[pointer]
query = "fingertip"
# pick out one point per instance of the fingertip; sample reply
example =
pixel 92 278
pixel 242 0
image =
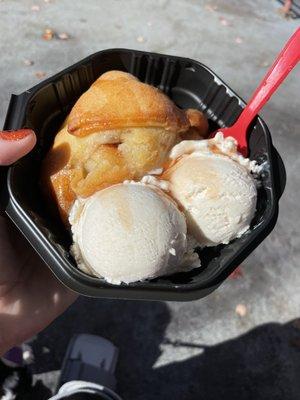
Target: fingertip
pixel 29 140
pixel 15 144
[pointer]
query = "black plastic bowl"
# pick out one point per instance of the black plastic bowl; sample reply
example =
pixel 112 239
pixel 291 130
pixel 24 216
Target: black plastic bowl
pixel 190 84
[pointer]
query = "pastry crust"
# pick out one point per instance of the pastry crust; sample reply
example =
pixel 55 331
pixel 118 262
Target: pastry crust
pixel 119 129
pixel 118 100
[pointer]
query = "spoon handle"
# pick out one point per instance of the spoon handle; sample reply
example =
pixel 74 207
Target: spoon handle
pixel 282 66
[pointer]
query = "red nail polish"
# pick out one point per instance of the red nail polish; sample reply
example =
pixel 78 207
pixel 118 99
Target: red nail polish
pixel 15 135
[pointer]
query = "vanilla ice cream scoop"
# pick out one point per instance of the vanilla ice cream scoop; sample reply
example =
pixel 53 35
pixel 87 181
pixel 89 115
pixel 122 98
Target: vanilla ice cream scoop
pixel 128 232
pixel 215 188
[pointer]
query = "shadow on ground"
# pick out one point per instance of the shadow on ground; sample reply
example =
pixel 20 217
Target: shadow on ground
pixel 262 364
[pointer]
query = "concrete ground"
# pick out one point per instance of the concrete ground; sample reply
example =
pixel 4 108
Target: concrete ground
pixel 202 349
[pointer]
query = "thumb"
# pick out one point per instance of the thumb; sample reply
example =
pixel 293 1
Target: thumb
pixel 15 144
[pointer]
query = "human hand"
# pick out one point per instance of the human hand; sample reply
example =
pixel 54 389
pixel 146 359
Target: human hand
pixel 30 295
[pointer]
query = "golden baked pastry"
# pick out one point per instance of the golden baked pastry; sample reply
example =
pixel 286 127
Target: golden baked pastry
pixel 120 128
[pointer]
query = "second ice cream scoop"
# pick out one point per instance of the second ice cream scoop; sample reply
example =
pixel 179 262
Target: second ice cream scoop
pixel 215 188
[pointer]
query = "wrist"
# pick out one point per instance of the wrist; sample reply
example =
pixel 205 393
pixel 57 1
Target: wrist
pixel 3 350
pixel 4 346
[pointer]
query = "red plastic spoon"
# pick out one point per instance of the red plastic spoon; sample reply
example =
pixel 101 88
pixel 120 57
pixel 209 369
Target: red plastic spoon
pixel 285 62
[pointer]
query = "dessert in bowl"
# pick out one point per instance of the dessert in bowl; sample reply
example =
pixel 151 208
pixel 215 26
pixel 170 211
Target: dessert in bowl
pixel 129 170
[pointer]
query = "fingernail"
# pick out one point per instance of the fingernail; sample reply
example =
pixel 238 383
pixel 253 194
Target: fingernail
pixel 15 135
